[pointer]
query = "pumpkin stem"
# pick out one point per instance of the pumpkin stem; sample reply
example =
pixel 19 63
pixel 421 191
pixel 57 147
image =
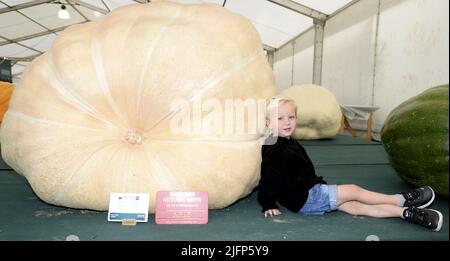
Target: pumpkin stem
pixel 134 137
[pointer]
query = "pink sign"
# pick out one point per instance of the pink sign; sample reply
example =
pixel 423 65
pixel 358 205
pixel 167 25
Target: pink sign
pixel 181 207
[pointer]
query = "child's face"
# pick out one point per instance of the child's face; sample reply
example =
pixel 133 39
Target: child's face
pixel 283 120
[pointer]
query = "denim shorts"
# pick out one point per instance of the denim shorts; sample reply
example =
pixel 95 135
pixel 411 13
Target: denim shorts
pixel 321 198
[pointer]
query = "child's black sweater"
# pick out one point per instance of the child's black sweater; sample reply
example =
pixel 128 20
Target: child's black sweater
pixel 287 174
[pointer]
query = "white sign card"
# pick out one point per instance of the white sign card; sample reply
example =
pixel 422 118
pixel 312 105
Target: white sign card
pixel 128 206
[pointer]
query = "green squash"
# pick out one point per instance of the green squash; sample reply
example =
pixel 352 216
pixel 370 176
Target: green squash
pixel 415 135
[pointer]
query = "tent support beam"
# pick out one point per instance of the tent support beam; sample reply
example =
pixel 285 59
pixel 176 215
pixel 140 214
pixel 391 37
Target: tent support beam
pixel 23 38
pixel 319 20
pixel 89 6
pixel 268 48
pixel 299 8
pixel 270 56
pixel 270 51
pixel 318 51
pixel 22 59
pixel 24 5
pixel 28 47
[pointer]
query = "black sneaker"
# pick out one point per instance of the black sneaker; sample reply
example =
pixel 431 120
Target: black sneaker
pixel 428 218
pixel 420 198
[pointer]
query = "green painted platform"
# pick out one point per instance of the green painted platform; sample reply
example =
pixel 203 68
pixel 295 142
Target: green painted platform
pixel 340 160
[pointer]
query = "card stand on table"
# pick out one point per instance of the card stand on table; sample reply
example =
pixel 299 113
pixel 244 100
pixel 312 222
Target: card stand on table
pixel 129 222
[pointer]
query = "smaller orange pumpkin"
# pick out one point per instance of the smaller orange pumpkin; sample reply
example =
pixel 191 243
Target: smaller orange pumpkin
pixel 6 90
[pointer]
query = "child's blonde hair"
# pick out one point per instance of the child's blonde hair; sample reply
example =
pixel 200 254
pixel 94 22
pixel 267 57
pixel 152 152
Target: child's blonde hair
pixel 276 101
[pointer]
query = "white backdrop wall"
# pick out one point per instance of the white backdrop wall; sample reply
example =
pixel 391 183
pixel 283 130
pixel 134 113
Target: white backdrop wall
pixel 370 59
pixel 295 61
pixel 303 58
pixel 412 52
pixel 349 46
pixel 282 66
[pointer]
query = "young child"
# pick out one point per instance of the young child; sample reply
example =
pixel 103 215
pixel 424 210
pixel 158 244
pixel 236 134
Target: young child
pixel 288 177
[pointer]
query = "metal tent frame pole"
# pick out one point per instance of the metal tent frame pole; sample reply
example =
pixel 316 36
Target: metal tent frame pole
pixel 319 20
pixel 319 26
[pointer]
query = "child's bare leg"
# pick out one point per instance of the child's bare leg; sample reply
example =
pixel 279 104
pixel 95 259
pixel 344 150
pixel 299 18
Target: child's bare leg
pixel 355 193
pixel 379 211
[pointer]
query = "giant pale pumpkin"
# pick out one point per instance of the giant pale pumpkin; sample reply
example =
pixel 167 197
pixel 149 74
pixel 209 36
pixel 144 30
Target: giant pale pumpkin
pixel 319 113
pixel 111 107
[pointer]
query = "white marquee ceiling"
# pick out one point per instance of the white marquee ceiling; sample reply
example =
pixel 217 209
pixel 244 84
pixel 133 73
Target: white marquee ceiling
pixel 28 27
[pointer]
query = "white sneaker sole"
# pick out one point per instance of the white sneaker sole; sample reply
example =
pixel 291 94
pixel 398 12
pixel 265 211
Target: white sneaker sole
pixel 430 201
pixel 441 220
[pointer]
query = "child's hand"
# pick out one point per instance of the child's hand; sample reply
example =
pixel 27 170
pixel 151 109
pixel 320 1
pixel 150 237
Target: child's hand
pixel 272 212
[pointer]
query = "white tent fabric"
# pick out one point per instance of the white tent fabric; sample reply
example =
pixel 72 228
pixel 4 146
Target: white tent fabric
pixel 29 27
